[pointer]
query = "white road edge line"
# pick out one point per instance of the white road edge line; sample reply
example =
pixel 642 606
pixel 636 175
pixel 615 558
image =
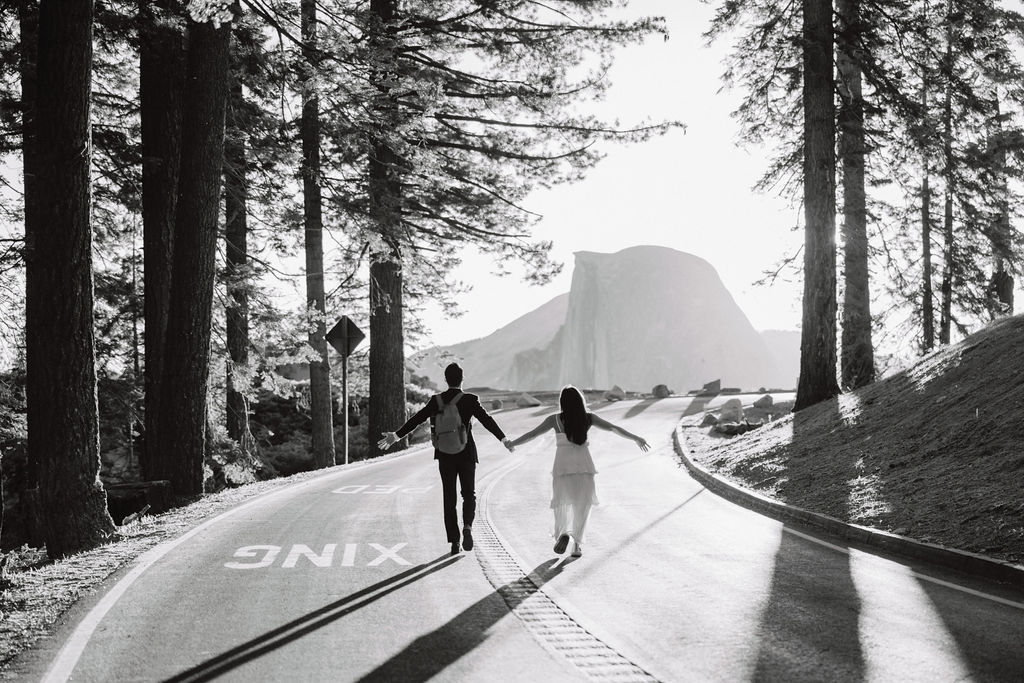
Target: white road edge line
pixel 64 664
pixel 923 577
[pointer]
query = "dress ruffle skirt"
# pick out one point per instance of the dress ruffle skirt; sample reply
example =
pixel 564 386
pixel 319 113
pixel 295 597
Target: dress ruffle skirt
pixel 572 486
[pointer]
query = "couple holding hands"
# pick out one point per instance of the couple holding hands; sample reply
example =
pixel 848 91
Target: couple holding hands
pixel 573 493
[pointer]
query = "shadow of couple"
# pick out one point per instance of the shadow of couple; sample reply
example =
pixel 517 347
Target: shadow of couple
pixel 421 659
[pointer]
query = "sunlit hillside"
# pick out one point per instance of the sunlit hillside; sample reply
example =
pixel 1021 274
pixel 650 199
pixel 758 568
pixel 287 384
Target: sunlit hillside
pixel 933 452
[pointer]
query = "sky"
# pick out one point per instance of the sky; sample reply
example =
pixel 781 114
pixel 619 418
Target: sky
pixel 690 191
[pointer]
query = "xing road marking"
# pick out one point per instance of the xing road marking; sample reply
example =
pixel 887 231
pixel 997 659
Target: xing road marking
pixel 381 489
pixel 268 554
pixel 64 664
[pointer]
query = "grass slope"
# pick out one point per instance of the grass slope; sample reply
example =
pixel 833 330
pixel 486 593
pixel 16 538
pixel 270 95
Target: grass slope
pixel 935 452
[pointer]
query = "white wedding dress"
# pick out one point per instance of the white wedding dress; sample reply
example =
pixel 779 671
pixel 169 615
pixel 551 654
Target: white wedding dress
pixel 573 492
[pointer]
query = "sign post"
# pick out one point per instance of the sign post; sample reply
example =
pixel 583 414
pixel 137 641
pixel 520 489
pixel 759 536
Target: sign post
pixel 345 337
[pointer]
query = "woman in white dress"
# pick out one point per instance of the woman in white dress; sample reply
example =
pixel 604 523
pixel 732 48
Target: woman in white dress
pixel 572 476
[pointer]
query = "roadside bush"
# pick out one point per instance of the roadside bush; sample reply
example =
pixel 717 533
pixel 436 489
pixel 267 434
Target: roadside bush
pixel 228 465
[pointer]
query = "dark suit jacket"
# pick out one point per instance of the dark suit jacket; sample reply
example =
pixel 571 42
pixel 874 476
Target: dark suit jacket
pixel 469 407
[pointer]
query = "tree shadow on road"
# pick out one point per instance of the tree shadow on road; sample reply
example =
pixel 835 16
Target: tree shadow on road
pixel 640 407
pixel 810 624
pixel 433 652
pixel 297 628
pixel 809 627
pixel 988 634
pixel 698 404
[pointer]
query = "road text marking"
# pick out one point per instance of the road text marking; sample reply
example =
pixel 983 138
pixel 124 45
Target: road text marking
pixel 264 556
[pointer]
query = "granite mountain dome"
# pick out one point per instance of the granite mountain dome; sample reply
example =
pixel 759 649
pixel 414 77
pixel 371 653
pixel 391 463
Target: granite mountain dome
pixel 642 316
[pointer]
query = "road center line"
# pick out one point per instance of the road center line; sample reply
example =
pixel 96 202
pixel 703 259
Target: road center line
pixel 532 601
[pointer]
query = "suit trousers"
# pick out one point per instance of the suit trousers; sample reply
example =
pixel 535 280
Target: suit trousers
pixel 464 470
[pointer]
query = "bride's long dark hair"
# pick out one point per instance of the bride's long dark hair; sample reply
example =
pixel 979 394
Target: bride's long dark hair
pixel 575 418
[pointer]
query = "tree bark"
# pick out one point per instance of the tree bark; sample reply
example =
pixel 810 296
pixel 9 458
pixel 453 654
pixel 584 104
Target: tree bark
pixel 1000 288
pixel 927 294
pixel 28 24
pixel 161 83
pixel 818 336
pixel 63 421
pixel 236 238
pixel 387 357
pixel 948 250
pixel 857 362
pixel 320 401
pixel 186 367
pixel 386 410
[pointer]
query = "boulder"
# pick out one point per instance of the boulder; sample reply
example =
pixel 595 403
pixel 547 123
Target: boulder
pixel 731 411
pixel 615 394
pixel 765 401
pixel 709 420
pixel 661 391
pixel 496 404
pixel 734 428
pixel 526 401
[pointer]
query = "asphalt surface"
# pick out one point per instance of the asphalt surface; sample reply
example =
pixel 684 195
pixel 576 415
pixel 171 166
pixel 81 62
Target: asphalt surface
pixel 348 578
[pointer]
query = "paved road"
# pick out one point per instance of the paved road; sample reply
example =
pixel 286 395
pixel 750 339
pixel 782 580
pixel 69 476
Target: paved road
pixel 347 578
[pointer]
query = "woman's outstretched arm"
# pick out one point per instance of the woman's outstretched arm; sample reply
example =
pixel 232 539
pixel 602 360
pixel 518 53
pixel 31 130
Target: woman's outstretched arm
pixel 599 421
pixel 546 424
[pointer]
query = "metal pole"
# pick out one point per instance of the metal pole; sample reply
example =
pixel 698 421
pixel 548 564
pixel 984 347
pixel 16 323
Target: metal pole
pixel 344 400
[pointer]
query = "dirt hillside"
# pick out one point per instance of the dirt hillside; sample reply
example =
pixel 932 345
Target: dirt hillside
pixel 935 453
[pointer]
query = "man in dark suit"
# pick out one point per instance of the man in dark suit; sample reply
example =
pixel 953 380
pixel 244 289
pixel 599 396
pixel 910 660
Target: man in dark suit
pixel 452 466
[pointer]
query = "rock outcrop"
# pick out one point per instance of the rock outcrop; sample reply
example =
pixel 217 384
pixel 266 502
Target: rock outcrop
pixel 488 361
pixel 616 393
pixel 731 411
pixel 650 315
pixel 639 317
pixel 527 401
pixel 661 391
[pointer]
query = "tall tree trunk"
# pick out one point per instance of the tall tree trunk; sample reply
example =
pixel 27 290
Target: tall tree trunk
pixel 927 295
pixel 858 361
pixel 818 336
pixel 387 356
pixel 948 250
pixel 320 402
pixel 1000 289
pixel 63 420
pixel 236 238
pixel 186 367
pixel 161 83
pixel 28 24
pixel 927 292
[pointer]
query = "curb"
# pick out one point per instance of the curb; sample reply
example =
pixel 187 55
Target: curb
pixel 958 560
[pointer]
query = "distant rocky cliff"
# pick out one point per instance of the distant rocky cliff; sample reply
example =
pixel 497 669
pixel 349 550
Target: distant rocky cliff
pixel 488 360
pixel 642 316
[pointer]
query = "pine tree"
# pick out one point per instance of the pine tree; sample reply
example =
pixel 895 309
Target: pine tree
pixel 857 360
pixel 456 112
pixel 161 85
pixel 183 410
pixel 61 390
pixel 28 24
pixel 321 403
pixel 818 334
pixel 236 247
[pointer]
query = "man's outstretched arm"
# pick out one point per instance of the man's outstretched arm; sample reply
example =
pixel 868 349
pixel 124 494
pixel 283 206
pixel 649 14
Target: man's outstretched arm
pixel 481 414
pixel 422 415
